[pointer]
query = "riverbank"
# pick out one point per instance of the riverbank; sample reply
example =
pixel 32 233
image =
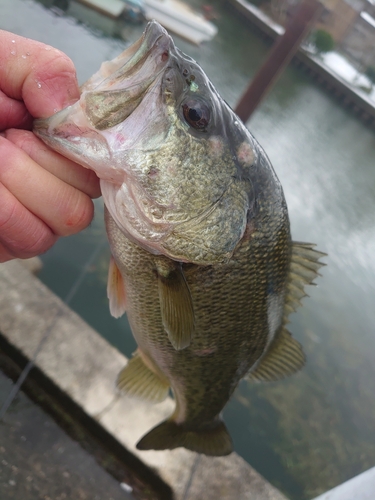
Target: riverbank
pixel 345 93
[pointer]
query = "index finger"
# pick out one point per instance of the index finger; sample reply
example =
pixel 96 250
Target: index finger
pixel 41 76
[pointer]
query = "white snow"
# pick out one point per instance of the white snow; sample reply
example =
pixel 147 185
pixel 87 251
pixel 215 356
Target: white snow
pixel 342 67
pixel 366 16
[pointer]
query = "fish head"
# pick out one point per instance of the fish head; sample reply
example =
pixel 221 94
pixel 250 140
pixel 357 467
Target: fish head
pixel 174 160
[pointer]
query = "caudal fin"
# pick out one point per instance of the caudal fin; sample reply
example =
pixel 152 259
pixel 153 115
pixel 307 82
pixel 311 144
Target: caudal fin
pixel 214 441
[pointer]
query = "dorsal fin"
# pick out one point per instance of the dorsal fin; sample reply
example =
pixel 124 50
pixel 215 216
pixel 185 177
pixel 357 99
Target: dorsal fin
pixel 304 268
pixel 176 304
pixel 285 355
pixel 116 290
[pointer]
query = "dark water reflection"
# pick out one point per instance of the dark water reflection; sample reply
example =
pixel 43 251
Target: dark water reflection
pixel 317 429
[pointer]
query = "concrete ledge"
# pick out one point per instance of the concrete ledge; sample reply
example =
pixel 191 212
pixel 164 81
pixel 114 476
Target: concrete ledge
pixel 84 366
pixel 34 265
pixel 361 487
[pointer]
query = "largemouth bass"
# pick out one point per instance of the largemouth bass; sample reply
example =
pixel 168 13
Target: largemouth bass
pixel 203 261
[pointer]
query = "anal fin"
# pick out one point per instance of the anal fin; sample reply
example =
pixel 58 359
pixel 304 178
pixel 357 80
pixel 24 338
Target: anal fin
pixel 176 304
pixel 139 381
pixel 284 357
pixel 116 290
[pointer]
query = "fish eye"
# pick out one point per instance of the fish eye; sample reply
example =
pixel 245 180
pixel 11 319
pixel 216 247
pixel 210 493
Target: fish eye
pixel 196 113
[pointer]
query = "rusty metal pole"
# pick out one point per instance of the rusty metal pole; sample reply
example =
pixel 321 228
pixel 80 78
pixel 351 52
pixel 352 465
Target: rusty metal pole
pixel 281 53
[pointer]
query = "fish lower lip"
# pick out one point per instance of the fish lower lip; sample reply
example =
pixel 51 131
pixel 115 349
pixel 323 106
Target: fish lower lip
pixel 154 37
pixel 126 64
pixel 153 33
pixel 68 131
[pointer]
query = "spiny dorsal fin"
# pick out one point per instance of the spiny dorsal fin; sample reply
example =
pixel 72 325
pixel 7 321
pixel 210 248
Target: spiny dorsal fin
pixel 284 357
pixel 307 251
pixel 176 304
pixel 304 268
pixel 116 290
pixel 139 381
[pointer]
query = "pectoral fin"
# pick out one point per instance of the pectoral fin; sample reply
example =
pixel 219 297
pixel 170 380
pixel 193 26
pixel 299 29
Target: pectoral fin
pixel 116 290
pixel 175 304
pixel 139 381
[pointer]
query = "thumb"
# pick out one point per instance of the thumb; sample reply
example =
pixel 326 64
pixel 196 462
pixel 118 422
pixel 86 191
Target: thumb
pixel 41 76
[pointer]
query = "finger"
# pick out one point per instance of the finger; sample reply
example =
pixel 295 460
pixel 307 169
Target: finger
pixel 22 235
pixel 41 76
pixel 63 208
pixel 13 113
pixel 5 255
pixel 81 178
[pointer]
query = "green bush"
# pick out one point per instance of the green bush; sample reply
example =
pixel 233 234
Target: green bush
pixel 323 41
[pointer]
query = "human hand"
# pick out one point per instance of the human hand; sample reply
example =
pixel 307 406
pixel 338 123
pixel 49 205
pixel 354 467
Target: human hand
pixel 42 194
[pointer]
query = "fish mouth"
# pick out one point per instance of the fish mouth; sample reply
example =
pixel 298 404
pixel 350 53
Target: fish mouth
pixel 154 39
pixel 108 97
pixel 125 112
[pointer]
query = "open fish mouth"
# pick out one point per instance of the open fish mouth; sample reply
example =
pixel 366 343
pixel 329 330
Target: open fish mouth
pixel 147 124
pixel 109 96
pixel 131 59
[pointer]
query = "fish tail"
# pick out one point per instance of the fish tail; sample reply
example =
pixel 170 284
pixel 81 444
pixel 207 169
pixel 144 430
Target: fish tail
pixel 213 441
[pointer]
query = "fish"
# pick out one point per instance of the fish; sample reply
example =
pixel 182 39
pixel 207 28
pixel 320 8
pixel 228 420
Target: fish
pixel 202 259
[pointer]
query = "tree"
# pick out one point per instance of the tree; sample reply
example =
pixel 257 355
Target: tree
pixel 323 41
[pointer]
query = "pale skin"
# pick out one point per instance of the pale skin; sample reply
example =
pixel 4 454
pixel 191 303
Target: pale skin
pixel 42 194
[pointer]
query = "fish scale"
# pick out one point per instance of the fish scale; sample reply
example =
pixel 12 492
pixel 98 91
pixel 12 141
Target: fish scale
pixel 230 307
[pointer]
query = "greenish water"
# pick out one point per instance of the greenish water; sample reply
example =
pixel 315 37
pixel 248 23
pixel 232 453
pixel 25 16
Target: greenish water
pixel 310 432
